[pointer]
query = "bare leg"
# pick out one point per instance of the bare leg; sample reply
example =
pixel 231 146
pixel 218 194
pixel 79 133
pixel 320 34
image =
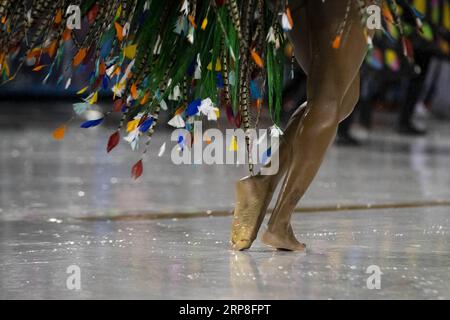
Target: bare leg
pixel 288 240
pixel 254 193
pixel 333 90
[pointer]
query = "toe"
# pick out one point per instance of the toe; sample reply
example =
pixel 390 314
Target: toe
pixel 242 245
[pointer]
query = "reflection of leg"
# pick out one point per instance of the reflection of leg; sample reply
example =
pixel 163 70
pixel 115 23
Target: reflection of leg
pixel 244 274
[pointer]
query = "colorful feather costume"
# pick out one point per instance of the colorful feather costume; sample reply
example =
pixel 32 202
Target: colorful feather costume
pixel 205 56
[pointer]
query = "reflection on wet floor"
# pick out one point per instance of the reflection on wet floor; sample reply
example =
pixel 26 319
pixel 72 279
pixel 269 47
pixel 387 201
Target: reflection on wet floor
pixel 46 186
pixel 185 259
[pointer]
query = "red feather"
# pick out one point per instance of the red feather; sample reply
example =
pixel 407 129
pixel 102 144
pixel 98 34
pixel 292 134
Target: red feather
pixel 92 13
pixel 230 115
pixel 118 105
pixel 113 141
pixel 97 83
pixel 238 120
pixel 137 170
pixel 408 48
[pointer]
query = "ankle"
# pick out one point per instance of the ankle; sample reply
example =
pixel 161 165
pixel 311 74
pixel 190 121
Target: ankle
pixel 277 228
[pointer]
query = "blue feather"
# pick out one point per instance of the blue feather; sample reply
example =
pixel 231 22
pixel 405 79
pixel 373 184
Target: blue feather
pixel 219 81
pixel 193 107
pixel 146 125
pixel 106 48
pixel 254 91
pixel 181 142
pixel 191 69
pixel 91 123
pixel 105 82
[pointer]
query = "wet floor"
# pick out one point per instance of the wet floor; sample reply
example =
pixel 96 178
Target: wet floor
pixel 47 188
pixel 189 259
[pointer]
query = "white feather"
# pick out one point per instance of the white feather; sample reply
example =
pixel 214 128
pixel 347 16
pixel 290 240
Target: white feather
pixel 185 8
pixel 285 22
pixel 162 150
pixel 177 122
pixel 69 81
pixel 163 104
pixel 133 139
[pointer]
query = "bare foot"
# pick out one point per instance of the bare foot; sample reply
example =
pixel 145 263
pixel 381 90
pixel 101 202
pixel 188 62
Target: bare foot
pixel 283 240
pixel 251 202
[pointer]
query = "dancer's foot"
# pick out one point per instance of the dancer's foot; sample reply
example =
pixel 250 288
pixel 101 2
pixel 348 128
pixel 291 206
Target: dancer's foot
pixel 285 240
pixel 251 202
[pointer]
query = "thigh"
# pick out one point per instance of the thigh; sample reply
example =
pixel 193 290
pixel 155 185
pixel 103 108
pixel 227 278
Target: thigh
pixel 338 68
